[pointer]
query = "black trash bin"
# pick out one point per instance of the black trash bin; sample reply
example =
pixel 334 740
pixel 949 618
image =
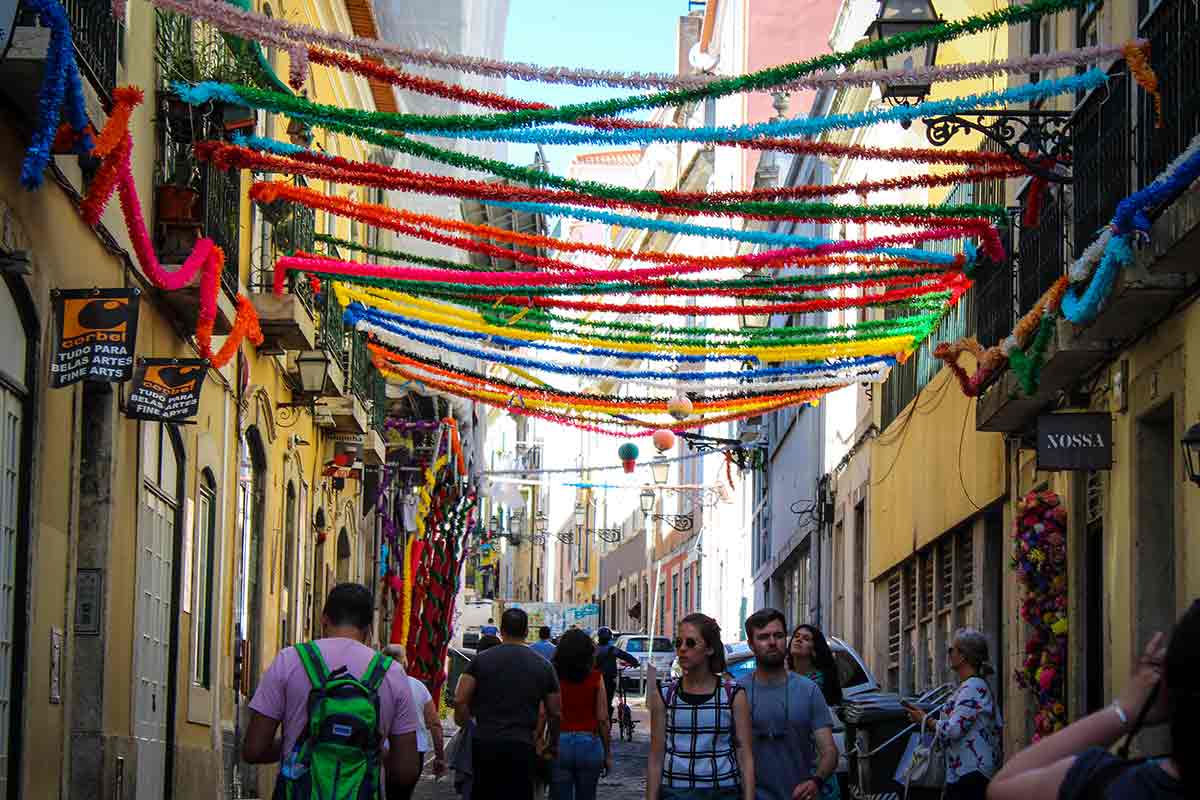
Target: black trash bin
pixel 459 658
pixel 877 733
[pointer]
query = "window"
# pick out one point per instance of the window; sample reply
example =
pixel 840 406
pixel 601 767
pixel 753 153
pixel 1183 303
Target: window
pixel 675 599
pixel 966 565
pixel 662 607
pixel 204 544
pixel 1041 40
pixel 289 565
pixel 894 628
pixel 699 595
pixel 687 589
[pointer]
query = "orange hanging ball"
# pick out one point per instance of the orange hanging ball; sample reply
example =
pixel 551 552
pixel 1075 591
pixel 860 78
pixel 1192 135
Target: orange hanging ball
pixel 680 406
pixel 663 439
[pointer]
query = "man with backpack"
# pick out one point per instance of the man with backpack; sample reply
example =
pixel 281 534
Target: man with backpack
pixel 339 702
pixel 607 655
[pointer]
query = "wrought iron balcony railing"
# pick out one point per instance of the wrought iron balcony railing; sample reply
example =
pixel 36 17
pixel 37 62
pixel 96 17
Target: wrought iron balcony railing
pixel 1173 29
pixel 290 233
pixel 1102 159
pixel 1041 246
pixel 379 403
pixel 360 371
pixel 97 40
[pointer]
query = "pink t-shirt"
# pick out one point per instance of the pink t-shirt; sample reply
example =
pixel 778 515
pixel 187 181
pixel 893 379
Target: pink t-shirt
pixel 282 693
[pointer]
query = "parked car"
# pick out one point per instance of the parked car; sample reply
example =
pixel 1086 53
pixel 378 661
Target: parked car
pixel 638 646
pixel 855 677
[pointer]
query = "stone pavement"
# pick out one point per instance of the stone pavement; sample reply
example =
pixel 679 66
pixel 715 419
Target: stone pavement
pixel 627 781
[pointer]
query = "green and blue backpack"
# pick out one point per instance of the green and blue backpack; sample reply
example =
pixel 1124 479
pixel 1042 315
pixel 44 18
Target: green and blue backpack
pixel 337 756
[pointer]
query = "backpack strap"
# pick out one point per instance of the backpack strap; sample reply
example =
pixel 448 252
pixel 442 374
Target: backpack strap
pixel 314 663
pixel 376 671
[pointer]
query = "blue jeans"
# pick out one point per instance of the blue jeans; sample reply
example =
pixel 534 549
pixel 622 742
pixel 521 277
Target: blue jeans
pixel 576 771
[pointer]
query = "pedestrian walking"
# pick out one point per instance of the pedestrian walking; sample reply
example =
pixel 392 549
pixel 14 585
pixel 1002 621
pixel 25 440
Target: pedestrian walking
pixel 970 723
pixel 795 756
pixel 1075 763
pixel 584 749
pixel 699 725
pixel 502 689
pixel 607 656
pixel 336 676
pixel 430 736
pixel 809 655
pixel 543 646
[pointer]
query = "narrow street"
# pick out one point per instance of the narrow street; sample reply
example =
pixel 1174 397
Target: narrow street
pixel 627 779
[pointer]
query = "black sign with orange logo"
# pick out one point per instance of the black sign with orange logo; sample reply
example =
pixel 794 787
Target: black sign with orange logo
pixel 166 389
pixel 95 335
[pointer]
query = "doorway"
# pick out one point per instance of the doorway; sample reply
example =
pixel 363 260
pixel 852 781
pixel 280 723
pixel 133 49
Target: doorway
pixel 154 629
pixel 18 371
pixel 252 479
pixel 343 556
pixel 1154 539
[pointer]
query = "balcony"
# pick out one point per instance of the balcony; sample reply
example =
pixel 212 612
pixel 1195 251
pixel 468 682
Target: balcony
pixel 97 42
pixel 288 321
pixel 374 443
pixel 1117 149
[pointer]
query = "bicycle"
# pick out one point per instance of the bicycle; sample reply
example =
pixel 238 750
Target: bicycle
pixel 625 721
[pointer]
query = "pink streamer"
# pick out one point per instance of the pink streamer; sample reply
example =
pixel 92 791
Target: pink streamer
pixel 201 256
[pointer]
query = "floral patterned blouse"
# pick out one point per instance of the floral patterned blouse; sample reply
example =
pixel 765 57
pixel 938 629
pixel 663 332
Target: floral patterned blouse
pixel 970 728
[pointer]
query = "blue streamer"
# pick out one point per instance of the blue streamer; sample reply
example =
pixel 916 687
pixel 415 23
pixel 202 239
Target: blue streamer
pixel 61 82
pixel 208 90
pixel 357 312
pixel 1132 218
pixel 687 229
pixel 802 126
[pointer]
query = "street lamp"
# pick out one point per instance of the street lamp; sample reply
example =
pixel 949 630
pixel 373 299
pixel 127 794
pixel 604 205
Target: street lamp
pixel 647 498
pixel 542 523
pixel 1191 453
pixel 660 470
pixel 494 525
pixel 313 366
pixel 754 319
pixel 898 17
pixel 580 515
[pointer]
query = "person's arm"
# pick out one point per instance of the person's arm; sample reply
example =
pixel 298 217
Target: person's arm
pixel 658 742
pixel 1038 770
pixel 260 745
pixel 464 692
pixel 553 703
pixel 603 728
pixel 959 722
pixel 402 765
pixel 827 760
pixel 628 659
pixel 434 723
pixel 742 729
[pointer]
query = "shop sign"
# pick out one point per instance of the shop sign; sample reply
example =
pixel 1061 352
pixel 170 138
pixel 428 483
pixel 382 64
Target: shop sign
pixel 1074 441
pixel 95 332
pixel 166 389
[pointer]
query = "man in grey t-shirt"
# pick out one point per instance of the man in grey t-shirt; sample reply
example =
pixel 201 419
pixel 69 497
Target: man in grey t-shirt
pixel 502 690
pixel 788 714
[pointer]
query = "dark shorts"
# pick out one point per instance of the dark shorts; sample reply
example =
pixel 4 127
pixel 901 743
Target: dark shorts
pixel 972 786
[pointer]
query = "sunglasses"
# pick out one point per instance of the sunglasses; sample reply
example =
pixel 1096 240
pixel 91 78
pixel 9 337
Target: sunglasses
pixel 688 643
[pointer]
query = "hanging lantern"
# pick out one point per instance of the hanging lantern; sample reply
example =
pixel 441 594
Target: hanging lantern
pixel 679 406
pixel 663 439
pixel 628 454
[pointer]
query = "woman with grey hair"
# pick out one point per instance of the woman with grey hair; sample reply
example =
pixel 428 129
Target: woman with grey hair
pixel 970 723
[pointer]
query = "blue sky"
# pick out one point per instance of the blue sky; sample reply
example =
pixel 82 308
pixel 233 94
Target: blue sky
pixel 627 35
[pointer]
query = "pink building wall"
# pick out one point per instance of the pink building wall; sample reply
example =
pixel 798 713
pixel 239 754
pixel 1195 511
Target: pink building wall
pixel 780 32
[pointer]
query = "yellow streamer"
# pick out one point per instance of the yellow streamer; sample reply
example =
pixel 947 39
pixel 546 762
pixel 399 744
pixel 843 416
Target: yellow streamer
pixel 438 313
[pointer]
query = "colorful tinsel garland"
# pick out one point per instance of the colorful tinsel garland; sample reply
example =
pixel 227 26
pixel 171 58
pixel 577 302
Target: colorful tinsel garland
pixel 1039 558
pixel 206 259
pixel 291 36
pixel 60 83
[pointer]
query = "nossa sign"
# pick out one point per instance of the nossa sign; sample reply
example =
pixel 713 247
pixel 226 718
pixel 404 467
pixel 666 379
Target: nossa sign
pixel 1074 441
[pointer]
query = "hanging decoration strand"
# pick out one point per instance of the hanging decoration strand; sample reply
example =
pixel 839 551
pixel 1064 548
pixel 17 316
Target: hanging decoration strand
pixel 283 34
pixel 506 127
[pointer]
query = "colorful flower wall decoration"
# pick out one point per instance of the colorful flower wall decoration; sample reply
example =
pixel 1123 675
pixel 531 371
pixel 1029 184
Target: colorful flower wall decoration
pixel 1039 557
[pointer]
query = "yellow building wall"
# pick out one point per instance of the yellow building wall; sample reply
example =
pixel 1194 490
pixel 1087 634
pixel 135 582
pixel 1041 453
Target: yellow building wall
pixel 930 471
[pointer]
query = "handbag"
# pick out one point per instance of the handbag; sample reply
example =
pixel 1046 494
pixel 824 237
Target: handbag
pixel 927 769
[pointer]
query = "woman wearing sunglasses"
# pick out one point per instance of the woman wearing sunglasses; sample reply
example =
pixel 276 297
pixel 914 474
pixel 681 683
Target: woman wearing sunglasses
pixel 700 725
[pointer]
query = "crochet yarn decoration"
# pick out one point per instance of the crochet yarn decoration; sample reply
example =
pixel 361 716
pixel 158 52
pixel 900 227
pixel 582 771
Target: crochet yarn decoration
pixel 1039 557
